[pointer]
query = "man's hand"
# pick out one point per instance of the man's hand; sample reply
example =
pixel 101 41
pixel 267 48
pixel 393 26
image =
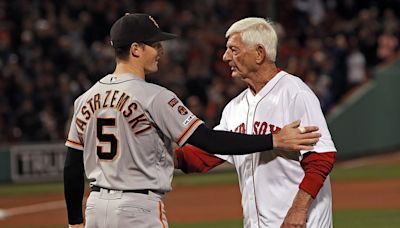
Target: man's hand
pixel 77 226
pixel 296 217
pixel 291 138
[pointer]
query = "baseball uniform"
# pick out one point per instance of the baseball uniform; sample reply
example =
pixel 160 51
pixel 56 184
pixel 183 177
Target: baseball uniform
pixel 270 181
pixel 125 128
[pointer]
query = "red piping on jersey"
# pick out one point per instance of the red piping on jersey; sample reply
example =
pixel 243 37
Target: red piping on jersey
pixel 252 124
pixel 254 189
pixel 186 131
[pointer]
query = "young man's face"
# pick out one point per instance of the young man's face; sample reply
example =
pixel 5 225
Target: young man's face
pixel 152 54
pixel 239 56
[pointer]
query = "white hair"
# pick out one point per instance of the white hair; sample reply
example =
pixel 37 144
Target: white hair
pixel 254 31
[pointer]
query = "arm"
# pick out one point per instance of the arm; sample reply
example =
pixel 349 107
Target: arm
pixel 290 138
pixel 182 126
pixel 297 214
pixel 74 186
pixel 316 166
pixel 191 159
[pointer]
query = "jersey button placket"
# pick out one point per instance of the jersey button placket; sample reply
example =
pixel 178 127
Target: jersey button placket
pixel 250 120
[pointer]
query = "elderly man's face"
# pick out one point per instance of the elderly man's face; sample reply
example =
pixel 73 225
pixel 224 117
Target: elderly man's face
pixel 240 57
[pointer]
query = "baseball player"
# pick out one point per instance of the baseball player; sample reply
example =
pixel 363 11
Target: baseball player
pixel 279 189
pixel 122 132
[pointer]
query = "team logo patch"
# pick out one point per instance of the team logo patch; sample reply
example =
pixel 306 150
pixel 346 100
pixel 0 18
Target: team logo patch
pixel 173 102
pixel 182 110
pixel 188 120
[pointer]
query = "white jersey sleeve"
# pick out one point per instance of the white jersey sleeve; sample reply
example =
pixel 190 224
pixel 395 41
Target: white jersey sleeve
pixel 307 108
pixel 172 117
pixel 223 126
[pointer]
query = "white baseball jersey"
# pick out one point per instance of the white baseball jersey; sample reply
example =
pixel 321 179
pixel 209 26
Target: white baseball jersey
pixel 270 181
pixel 125 127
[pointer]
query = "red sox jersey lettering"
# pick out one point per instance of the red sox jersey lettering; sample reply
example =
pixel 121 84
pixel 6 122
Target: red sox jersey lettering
pixel 259 128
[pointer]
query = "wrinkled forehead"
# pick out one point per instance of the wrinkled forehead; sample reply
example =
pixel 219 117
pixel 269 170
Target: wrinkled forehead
pixel 235 39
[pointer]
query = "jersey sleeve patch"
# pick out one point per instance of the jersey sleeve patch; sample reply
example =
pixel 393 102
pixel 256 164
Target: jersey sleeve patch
pixel 189 130
pixel 173 102
pixel 187 120
pixel 182 110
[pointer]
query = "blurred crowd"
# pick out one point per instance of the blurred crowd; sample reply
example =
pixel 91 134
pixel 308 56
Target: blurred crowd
pixel 52 51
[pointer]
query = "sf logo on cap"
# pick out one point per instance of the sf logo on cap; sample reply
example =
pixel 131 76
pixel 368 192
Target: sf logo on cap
pixel 154 21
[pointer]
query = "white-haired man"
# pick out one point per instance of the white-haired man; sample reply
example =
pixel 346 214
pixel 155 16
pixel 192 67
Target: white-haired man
pixel 278 189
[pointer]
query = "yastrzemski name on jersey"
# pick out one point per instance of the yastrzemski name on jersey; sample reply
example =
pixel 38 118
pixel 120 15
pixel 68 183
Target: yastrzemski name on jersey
pixel 118 101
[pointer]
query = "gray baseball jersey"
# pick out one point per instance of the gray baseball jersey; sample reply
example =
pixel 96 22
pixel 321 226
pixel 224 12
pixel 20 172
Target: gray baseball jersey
pixel 125 127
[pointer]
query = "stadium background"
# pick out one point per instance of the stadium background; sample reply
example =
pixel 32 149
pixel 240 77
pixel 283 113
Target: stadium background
pixel 346 51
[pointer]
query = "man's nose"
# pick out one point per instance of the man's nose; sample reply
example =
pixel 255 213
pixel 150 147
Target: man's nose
pixel 225 57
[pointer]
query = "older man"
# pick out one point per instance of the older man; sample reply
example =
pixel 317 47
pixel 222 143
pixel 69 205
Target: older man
pixel 278 188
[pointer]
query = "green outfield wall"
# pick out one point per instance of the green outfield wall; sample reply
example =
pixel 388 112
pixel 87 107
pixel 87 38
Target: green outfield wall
pixel 369 121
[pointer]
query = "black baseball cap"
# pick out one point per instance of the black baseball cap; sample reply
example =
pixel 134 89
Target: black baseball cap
pixel 137 27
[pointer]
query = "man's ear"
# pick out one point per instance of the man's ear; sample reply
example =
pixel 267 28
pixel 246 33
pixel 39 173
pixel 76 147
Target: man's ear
pixel 261 54
pixel 136 49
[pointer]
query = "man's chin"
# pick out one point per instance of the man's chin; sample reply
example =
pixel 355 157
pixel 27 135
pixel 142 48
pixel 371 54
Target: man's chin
pixel 235 75
pixel 152 70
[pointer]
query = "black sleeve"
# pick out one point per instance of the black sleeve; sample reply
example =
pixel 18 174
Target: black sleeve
pixel 74 185
pixel 229 143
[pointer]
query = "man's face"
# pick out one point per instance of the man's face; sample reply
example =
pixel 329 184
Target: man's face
pixel 239 56
pixel 152 54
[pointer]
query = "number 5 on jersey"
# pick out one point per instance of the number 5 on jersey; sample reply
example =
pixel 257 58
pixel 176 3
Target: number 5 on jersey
pixel 106 138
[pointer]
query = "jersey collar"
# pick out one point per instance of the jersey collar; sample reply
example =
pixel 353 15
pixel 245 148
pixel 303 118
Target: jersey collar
pixel 119 78
pixel 266 89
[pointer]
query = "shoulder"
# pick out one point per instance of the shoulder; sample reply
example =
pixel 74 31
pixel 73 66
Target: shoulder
pixel 152 88
pixel 295 91
pixel 153 95
pixel 146 91
pixel 294 86
pixel 83 96
pixel 294 83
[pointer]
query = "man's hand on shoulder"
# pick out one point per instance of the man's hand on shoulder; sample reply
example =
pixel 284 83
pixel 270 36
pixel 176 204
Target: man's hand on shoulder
pixel 295 138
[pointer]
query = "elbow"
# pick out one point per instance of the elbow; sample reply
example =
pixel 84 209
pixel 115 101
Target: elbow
pixel 72 174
